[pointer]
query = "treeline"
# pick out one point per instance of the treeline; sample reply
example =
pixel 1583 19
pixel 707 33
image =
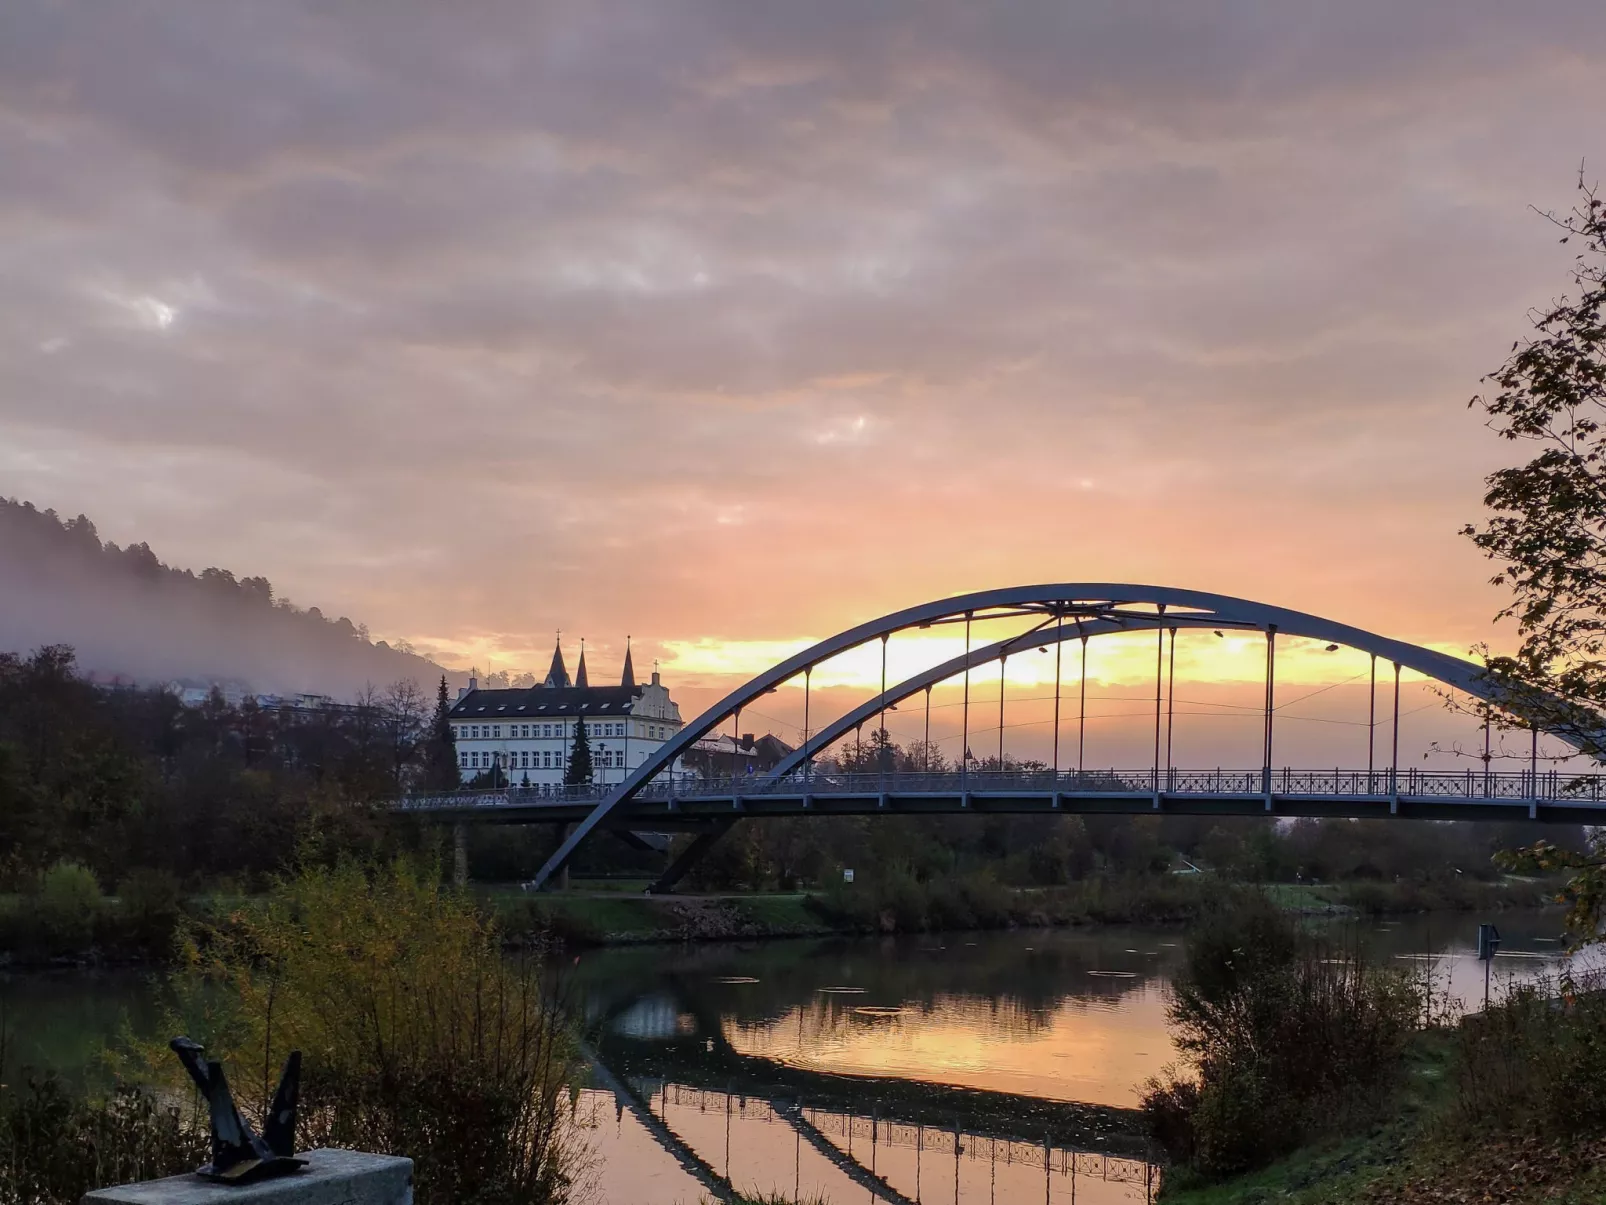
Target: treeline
pixel 129 614
pixel 1027 851
pixel 132 780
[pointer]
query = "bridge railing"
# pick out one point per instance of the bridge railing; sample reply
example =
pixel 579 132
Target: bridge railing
pixel 1409 783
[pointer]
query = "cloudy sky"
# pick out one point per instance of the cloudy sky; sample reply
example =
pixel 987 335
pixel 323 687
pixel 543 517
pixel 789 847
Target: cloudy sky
pixel 730 324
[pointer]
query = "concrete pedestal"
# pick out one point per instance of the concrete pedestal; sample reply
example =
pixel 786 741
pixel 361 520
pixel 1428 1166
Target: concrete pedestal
pixel 331 1177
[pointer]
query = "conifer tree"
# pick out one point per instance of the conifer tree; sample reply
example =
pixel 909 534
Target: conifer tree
pixel 578 773
pixel 440 765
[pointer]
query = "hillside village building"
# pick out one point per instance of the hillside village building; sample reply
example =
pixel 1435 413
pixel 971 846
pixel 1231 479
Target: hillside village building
pixel 529 732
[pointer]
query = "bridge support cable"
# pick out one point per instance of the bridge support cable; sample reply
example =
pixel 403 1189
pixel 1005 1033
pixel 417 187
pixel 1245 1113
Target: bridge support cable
pixel 1003 663
pixel 1170 710
pixel 1533 763
pixel 1115 605
pixel 641 1109
pixel 1081 706
pixel 1159 661
pixel 1271 703
pixel 1394 757
pixel 808 681
pixel 690 856
pixel 964 724
pixel 1486 722
pixel 1371 723
pixel 928 679
pixel 849 1166
pixel 925 750
pixel 1059 645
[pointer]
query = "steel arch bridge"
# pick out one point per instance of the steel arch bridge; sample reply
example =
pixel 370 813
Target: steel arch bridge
pixel 650 798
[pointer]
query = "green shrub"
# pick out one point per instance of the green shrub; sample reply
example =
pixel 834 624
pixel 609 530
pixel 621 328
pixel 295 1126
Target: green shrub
pixel 55 1147
pixel 419 1036
pixel 150 904
pixel 1535 1062
pixel 1285 1036
pixel 68 906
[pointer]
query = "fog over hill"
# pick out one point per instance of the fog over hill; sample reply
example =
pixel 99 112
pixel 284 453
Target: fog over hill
pixel 128 614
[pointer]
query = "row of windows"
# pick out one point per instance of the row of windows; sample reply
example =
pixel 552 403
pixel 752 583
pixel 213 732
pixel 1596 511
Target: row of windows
pixel 608 759
pixel 492 732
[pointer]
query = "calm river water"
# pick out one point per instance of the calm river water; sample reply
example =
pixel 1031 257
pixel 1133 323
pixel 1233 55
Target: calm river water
pixel 852 1041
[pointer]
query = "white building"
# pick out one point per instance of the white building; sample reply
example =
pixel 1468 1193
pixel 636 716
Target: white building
pixel 529 732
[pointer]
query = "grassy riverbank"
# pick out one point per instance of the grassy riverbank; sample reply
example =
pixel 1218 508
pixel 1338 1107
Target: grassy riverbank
pixel 136 928
pixel 1419 1153
pixel 1314 1077
pixel 903 905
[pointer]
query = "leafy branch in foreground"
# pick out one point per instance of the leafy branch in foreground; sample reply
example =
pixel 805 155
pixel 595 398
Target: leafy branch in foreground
pixel 1585 892
pixel 1547 525
pixel 1546 531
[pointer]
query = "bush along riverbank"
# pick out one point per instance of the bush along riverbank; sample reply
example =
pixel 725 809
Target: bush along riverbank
pixel 63 918
pixel 419 1035
pixel 1312 1078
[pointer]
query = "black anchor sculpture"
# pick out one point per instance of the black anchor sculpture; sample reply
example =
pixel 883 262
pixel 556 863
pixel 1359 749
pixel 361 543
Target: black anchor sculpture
pixel 238 1155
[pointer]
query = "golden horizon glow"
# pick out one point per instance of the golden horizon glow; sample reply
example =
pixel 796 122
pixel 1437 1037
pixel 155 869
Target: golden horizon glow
pixel 1113 660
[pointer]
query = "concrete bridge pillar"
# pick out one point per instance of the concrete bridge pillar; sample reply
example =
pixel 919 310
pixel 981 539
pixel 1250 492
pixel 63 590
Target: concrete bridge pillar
pixel 460 854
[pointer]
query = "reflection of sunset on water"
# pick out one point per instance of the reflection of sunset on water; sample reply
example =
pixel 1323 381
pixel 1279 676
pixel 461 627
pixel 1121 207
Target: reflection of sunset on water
pixel 1083 1049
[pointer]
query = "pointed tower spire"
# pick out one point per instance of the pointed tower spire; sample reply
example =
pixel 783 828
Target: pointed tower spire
pixel 557 675
pixel 580 670
pixel 628 681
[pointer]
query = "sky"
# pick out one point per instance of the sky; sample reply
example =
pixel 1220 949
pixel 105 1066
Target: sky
pixel 730 325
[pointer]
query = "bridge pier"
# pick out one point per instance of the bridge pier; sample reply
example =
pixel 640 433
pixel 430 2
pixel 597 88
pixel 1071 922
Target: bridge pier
pixel 689 857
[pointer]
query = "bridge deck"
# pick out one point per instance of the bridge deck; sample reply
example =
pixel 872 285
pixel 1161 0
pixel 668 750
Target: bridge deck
pixel 1414 794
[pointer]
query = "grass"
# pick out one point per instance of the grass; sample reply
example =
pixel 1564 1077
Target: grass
pixel 624 919
pixel 1299 896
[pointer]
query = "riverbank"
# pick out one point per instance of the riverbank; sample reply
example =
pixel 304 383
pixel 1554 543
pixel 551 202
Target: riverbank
pixel 967 904
pixel 1413 1156
pixel 118 932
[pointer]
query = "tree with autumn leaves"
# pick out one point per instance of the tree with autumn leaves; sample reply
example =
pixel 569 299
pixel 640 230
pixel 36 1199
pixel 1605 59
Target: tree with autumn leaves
pixel 1546 532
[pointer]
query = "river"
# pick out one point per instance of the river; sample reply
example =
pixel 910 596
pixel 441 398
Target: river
pixel 852 1068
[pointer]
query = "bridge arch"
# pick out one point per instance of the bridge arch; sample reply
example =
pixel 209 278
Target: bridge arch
pixel 1055 611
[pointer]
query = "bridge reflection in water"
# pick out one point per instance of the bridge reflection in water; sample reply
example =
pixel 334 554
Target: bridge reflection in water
pixel 738 1142
pixel 738 1121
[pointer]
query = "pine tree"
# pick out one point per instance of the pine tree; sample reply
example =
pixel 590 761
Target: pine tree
pixel 578 773
pixel 440 759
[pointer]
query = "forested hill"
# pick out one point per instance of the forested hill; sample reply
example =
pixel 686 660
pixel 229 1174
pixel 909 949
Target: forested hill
pixel 128 614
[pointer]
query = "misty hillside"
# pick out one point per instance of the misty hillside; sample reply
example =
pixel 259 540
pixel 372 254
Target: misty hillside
pixel 128 614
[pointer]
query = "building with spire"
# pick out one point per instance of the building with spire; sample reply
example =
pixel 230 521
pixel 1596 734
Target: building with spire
pixel 527 732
